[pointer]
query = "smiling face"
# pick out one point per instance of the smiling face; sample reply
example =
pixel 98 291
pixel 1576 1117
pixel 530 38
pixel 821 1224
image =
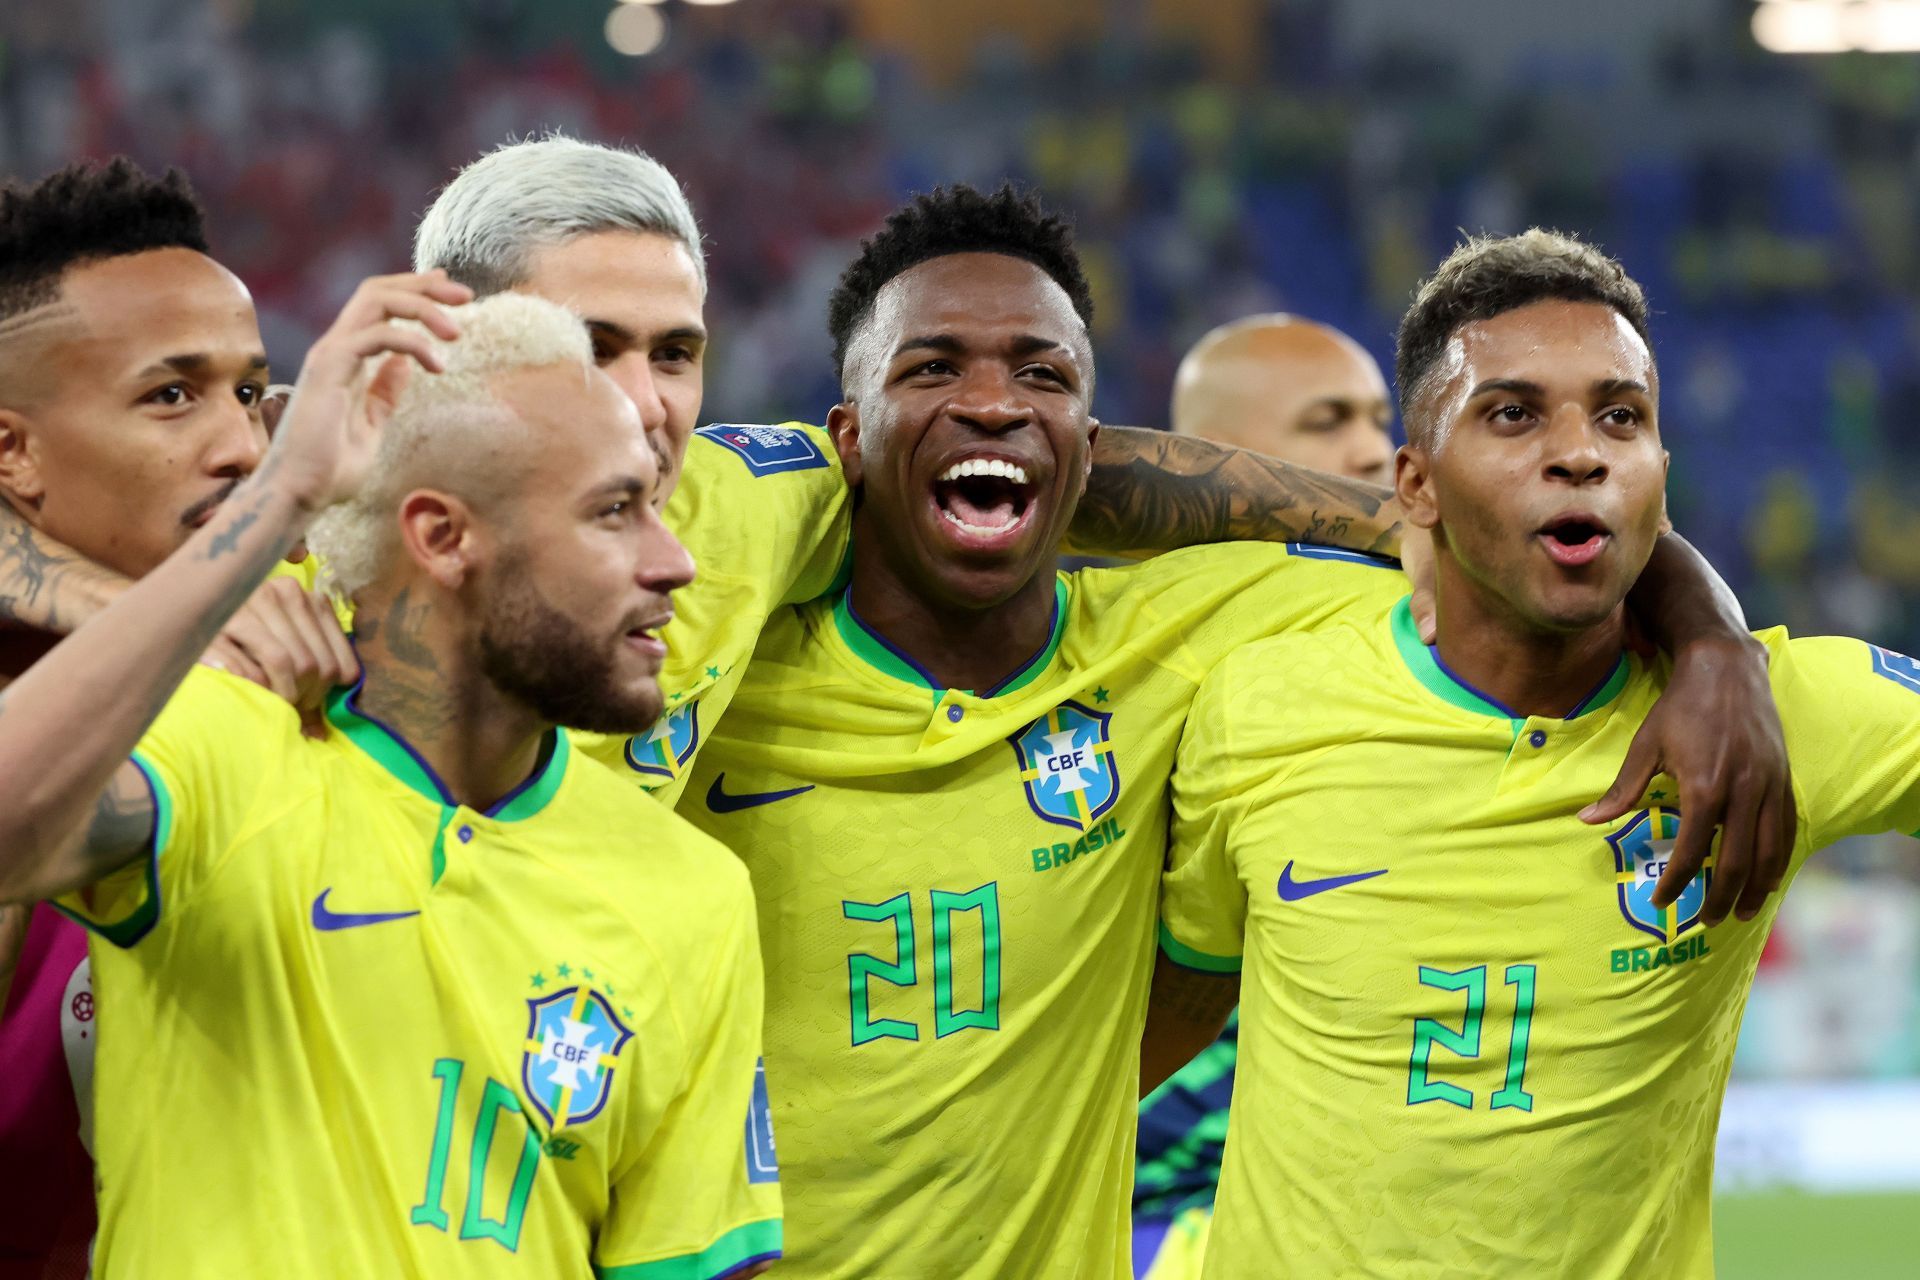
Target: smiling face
pixel 579 580
pixel 130 405
pixel 1537 462
pixel 641 297
pixel 966 426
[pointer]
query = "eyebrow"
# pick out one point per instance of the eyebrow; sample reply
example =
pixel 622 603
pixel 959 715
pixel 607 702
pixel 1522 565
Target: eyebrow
pixel 1026 344
pixel 1521 387
pixel 621 333
pixel 194 364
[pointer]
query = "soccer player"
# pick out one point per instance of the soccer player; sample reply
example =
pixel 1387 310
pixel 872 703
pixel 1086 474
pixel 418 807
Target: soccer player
pixel 949 779
pixel 1480 1035
pixel 391 1002
pixel 1289 388
pixel 131 383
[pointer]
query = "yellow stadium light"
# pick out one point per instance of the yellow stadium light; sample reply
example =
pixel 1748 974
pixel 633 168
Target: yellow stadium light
pixel 635 29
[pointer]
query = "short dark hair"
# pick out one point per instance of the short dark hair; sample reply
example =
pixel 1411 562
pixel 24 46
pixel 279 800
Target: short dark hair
pixel 83 213
pixel 1489 276
pixel 957 219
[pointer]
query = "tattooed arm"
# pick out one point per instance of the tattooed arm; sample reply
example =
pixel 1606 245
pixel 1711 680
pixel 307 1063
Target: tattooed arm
pixel 45 585
pixel 72 808
pixel 1186 1012
pixel 1153 491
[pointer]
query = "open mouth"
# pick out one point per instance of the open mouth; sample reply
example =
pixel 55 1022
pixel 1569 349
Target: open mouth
pixel 1574 540
pixel 646 637
pixel 984 502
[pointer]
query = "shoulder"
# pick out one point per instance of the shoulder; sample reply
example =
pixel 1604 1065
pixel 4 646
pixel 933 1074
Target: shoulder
pixel 760 451
pixel 215 705
pixel 657 850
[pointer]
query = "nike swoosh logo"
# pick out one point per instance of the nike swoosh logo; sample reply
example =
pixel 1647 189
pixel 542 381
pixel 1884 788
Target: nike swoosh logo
pixel 328 921
pixel 720 802
pixel 1292 890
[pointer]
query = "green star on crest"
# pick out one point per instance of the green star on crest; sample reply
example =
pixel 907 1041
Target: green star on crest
pixel 539 981
pixel 587 974
pixel 1099 695
pixel 713 673
pixel 563 971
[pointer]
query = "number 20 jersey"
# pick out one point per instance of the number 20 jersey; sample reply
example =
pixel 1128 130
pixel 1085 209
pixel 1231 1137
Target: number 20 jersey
pixel 956 896
pixel 1469 1043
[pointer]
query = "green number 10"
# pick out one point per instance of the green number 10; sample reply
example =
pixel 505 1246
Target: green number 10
pixel 1429 1033
pixel 902 971
pixel 495 1099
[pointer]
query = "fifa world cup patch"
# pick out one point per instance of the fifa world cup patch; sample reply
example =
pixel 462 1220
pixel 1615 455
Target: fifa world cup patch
pixel 767 450
pixel 1897 667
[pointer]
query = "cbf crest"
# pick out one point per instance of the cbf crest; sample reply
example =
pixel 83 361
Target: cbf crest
pixel 1067 766
pixel 574 1040
pixel 1641 850
pixel 663 751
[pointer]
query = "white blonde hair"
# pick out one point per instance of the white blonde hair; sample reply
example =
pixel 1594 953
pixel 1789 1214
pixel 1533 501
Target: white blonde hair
pixel 483 228
pixel 445 429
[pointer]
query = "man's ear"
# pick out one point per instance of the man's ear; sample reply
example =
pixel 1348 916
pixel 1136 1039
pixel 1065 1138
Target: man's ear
pixel 437 530
pixel 20 459
pixel 1413 485
pixel 843 426
pixel 1093 441
pixel 383 389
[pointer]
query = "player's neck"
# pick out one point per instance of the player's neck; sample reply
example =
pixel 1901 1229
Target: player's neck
pixel 1521 666
pixel 959 648
pixel 421 684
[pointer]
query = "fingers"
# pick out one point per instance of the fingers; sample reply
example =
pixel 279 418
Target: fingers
pixel 1636 774
pixel 1774 831
pixel 1426 614
pixel 295 642
pixel 410 296
pixel 392 339
pixel 1736 873
pixel 345 668
pixel 224 655
pixel 1698 821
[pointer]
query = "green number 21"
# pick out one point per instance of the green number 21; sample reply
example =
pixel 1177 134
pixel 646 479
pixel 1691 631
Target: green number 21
pixel 902 971
pixel 1428 1033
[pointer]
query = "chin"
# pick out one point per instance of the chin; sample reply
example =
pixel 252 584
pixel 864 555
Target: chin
pixel 1576 609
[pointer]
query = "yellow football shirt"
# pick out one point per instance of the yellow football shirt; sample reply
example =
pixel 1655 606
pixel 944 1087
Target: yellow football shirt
pixel 957 897
pixel 765 512
pixel 1469 1046
pixel 360 1030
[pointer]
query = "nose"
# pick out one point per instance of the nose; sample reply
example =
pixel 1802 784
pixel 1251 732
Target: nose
pixel 632 372
pixel 239 442
pixel 1371 453
pixel 986 400
pixel 665 563
pixel 1572 449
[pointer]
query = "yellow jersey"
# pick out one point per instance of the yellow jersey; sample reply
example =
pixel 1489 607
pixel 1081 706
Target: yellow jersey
pixel 358 1029
pixel 957 895
pixel 1469 1044
pixel 765 512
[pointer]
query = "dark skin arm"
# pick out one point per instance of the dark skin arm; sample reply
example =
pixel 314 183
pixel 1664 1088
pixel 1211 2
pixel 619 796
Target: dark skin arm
pixel 1716 732
pixel 45 586
pixel 1186 1012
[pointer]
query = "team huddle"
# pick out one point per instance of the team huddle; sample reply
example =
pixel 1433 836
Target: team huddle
pixel 511 829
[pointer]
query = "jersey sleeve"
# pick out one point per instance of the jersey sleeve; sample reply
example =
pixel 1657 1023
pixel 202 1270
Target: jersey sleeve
pixel 1852 717
pixel 1203 904
pixel 702 1198
pixel 767 501
pixel 202 758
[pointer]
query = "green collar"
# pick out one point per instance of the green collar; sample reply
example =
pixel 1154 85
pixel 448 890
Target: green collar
pixel 873 649
pixel 1425 664
pixel 392 753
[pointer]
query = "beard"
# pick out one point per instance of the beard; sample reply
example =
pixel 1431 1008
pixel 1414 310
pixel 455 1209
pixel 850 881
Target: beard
pixel 533 652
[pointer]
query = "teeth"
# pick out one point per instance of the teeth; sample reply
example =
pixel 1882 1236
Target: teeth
pixel 985 467
pixel 977 528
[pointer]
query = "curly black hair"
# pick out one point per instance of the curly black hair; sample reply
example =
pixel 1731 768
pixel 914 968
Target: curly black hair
pixel 957 219
pixel 83 213
pixel 1488 276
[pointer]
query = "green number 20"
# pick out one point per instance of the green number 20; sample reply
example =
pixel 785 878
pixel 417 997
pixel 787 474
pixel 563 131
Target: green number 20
pixel 902 971
pixel 1427 1033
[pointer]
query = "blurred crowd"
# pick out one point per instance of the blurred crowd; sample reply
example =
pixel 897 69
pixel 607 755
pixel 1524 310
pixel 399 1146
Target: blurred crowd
pixel 1767 204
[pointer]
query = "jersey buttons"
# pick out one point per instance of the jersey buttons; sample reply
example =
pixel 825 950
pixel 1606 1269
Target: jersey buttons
pixel 954 713
pixel 1538 738
pixel 466 834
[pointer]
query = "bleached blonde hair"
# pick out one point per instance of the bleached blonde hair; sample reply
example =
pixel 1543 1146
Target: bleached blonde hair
pixel 447 430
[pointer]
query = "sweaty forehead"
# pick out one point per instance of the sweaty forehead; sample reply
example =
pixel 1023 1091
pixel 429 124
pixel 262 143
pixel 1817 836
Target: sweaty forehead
pixel 1552 343
pixel 140 308
pixel 979 296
